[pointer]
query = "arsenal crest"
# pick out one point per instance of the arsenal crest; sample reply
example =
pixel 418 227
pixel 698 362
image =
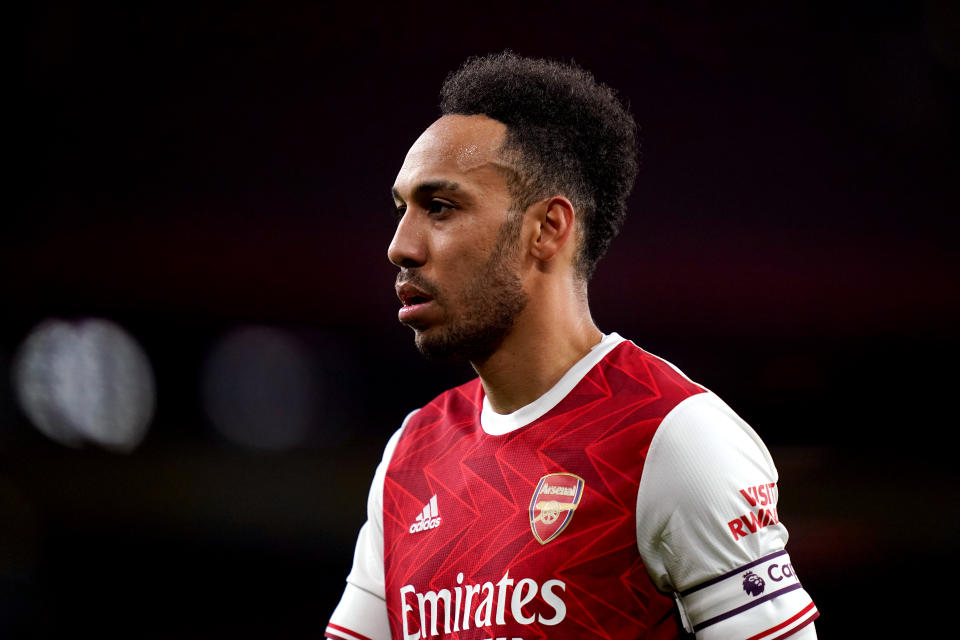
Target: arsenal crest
pixel 553 503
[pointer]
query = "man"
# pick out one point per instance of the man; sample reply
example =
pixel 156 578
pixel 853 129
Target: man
pixel 579 487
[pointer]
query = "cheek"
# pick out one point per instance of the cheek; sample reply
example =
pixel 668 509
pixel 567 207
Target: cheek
pixel 457 279
pixel 461 249
pixel 462 255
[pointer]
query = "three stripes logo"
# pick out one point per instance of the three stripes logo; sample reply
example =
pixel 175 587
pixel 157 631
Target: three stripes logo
pixel 429 518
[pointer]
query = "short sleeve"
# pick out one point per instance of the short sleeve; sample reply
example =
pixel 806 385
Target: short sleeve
pixel 362 611
pixel 708 527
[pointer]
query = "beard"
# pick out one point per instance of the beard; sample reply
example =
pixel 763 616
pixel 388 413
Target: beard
pixel 487 307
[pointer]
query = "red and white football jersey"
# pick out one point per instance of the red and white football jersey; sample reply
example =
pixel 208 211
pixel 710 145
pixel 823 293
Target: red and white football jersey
pixel 626 502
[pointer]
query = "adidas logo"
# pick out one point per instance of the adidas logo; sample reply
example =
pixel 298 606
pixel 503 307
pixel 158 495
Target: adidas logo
pixel 429 518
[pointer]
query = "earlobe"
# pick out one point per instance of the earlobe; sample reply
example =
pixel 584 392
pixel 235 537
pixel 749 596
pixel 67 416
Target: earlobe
pixel 555 219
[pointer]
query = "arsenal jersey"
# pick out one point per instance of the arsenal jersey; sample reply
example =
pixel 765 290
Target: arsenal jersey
pixel 627 502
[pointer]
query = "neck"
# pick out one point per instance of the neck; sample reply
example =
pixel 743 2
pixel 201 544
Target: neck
pixel 546 340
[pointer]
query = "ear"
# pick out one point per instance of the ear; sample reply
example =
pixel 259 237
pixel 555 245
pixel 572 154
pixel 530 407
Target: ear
pixel 555 219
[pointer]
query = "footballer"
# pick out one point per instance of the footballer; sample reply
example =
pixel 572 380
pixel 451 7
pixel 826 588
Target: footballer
pixel 579 487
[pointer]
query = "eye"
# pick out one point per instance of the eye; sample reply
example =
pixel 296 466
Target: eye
pixel 439 208
pixel 398 211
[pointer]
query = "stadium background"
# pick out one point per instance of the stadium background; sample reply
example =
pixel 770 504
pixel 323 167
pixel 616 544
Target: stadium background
pixel 214 180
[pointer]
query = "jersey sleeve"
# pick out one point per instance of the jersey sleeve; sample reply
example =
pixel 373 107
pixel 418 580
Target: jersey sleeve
pixel 362 611
pixel 708 528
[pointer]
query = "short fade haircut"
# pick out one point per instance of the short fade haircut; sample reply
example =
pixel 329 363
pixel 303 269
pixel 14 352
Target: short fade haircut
pixel 567 134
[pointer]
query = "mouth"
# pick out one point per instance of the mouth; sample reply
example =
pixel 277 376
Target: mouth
pixel 416 302
pixel 411 295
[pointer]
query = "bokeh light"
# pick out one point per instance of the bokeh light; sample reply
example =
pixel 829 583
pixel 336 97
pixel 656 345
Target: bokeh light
pixel 86 381
pixel 260 389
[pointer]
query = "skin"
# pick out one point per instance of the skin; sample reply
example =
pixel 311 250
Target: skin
pixel 450 242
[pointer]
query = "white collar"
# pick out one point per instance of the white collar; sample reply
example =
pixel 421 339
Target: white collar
pixel 498 424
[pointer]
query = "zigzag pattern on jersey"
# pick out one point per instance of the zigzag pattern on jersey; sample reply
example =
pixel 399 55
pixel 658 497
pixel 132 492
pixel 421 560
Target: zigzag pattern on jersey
pixel 601 431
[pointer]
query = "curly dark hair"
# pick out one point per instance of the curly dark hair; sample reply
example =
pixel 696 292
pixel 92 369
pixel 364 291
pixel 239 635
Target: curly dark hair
pixel 566 134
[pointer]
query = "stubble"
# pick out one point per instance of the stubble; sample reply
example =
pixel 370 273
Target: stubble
pixel 486 309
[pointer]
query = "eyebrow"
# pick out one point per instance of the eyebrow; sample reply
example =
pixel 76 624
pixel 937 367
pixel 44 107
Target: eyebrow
pixel 428 187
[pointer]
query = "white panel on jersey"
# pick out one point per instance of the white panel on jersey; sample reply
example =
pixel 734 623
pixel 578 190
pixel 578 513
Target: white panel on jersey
pixel 708 529
pixel 705 469
pixel 359 616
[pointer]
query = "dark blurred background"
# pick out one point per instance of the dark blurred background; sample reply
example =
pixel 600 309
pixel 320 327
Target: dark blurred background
pixel 194 256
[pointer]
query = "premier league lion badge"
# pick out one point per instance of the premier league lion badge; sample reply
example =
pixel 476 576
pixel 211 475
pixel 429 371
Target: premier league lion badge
pixel 553 503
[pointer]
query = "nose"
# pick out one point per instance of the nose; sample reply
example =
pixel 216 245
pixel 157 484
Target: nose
pixel 408 248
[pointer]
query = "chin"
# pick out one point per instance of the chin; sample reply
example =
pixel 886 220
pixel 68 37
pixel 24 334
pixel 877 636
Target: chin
pixel 436 348
pixel 473 344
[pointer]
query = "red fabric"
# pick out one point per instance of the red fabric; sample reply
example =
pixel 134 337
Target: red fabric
pixel 484 485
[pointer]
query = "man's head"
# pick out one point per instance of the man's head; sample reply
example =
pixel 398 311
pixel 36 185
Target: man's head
pixel 530 164
pixel 566 135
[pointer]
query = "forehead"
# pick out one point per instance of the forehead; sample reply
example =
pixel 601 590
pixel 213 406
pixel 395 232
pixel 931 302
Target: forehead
pixel 454 148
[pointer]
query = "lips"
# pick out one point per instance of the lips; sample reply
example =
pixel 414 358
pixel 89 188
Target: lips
pixel 417 305
pixel 411 295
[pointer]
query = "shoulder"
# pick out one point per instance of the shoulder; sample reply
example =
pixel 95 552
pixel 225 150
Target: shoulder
pixel 648 386
pixel 459 403
pixel 433 421
pixel 711 467
pixel 629 366
pixel 706 468
pixel 703 432
pixel 698 429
